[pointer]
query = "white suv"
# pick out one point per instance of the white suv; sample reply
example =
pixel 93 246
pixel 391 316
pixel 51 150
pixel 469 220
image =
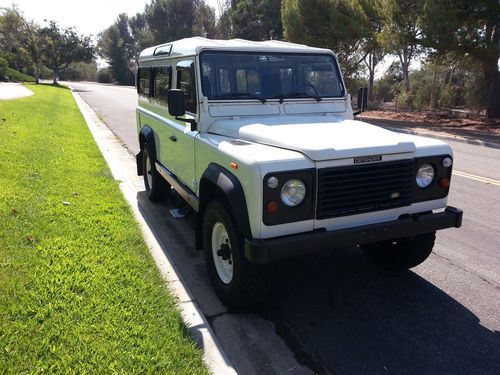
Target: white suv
pixel 259 139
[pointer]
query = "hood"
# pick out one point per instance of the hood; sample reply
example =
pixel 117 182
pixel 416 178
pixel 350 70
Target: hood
pixel 320 138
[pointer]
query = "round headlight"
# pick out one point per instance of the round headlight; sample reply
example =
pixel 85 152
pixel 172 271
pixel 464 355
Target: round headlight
pixel 425 175
pixel 293 192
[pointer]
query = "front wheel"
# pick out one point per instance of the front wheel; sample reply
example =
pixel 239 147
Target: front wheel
pixel 400 254
pixel 237 282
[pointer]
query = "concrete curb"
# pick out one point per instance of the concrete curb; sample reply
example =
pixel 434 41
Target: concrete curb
pixel 123 168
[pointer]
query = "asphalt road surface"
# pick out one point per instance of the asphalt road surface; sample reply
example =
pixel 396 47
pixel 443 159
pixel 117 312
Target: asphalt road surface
pixel 336 312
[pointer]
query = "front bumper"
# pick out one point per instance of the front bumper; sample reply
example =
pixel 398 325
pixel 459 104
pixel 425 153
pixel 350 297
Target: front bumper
pixel 268 250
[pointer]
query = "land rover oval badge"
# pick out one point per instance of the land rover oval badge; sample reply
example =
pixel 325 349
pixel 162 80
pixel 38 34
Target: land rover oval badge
pixel 367 159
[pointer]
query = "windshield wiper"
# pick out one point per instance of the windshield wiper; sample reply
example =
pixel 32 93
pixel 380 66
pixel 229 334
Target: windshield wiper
pixel 300 95
pixel 242 95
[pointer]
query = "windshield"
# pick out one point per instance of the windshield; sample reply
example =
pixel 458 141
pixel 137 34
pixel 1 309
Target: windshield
pixel 228 75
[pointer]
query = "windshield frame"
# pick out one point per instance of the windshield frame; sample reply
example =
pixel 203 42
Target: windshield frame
pixel 292 95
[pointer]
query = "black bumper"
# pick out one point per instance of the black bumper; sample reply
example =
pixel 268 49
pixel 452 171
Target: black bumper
pixel 269 250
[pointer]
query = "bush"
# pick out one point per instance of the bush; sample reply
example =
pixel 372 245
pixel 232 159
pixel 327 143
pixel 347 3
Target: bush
pixel 104 76
pixel 79 71
pixel 16 76
pixel 404 102
pixel 3 66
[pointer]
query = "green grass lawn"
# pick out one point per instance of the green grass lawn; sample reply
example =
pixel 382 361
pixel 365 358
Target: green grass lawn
pixel 79 291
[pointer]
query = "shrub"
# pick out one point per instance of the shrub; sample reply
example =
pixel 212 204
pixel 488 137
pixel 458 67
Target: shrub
pixel 104 76
pixel 3 66
pixel 16 76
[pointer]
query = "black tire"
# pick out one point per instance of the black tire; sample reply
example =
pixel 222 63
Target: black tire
pixel 157 189
pixel 400 254
pixel 248 283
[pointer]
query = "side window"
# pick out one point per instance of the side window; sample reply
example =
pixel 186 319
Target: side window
pixel 207 78
pixel 241 81
pixel 247 81
pixel 286 75
pixel 224 81
pixel 143 88
pixel 161 82
pixel 185 82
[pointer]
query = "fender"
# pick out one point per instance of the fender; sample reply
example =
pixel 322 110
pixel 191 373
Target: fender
pixel 218 181
pixel 146 135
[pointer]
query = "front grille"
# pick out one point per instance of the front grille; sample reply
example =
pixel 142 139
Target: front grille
pixel 357 189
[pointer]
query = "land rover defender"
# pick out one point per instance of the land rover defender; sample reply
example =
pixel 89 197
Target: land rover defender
pixel 260 140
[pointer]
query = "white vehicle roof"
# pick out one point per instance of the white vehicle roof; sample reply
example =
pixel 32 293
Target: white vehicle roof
pixel 194 45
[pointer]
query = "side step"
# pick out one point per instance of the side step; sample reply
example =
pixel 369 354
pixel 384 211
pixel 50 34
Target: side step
pixel 181 208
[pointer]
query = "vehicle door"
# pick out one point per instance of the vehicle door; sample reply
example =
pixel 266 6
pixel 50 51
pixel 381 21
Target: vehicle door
pixel 179 151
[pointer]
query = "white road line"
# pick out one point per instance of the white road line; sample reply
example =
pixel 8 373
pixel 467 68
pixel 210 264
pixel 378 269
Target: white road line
pixel 488 181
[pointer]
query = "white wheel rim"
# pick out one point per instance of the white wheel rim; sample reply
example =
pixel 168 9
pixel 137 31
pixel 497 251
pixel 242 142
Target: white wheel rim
pixel 224 267
pixel 149 172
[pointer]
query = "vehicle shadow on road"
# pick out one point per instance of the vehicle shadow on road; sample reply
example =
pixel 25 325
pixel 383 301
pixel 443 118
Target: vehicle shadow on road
pixel 339 314
pixel 344 316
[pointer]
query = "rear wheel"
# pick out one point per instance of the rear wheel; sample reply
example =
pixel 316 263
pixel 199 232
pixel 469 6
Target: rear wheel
pixel 237 282
pixel 400 254
pixel 157 188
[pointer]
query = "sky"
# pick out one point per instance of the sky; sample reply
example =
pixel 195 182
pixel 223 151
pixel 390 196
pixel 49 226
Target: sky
pixel 93 16
pixel 88 16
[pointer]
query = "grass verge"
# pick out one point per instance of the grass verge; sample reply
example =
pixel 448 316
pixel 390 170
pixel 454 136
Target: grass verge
pixel 79 291
pixel 16 76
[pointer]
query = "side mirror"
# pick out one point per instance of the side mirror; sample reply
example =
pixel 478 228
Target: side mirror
pixel 175 100
pixel 362 98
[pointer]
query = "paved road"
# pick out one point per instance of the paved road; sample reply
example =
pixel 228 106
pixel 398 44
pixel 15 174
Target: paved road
pixel 116 107
pixel 336 312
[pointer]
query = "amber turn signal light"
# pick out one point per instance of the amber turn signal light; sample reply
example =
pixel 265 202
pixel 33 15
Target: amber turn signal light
pixel 444 183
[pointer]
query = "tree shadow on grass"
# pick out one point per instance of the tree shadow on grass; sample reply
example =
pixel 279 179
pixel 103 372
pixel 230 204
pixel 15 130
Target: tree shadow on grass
pixel 57 85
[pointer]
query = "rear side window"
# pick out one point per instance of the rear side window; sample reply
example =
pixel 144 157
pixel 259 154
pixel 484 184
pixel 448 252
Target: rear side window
pixel 162 77
pixel 185 82
pixel 144 81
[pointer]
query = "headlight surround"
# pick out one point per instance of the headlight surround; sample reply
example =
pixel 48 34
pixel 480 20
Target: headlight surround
pixel 293 192
pixel 425 175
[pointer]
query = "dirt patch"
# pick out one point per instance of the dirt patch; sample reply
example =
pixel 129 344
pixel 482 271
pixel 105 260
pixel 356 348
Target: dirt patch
pixel 439 121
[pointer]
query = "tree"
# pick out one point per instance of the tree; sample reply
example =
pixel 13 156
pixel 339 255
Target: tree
pixel 341 25
pixel 204 22
pixel 470 28
pixel 256 19
pixel 372 50
pixel 141 34
pixel 176 19
pixel 13 38
pixel 63 47
pixel 118 52
pixel 116 44
pixel 400 33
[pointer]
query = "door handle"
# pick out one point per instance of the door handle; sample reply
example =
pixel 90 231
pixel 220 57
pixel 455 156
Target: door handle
pixel 173 138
